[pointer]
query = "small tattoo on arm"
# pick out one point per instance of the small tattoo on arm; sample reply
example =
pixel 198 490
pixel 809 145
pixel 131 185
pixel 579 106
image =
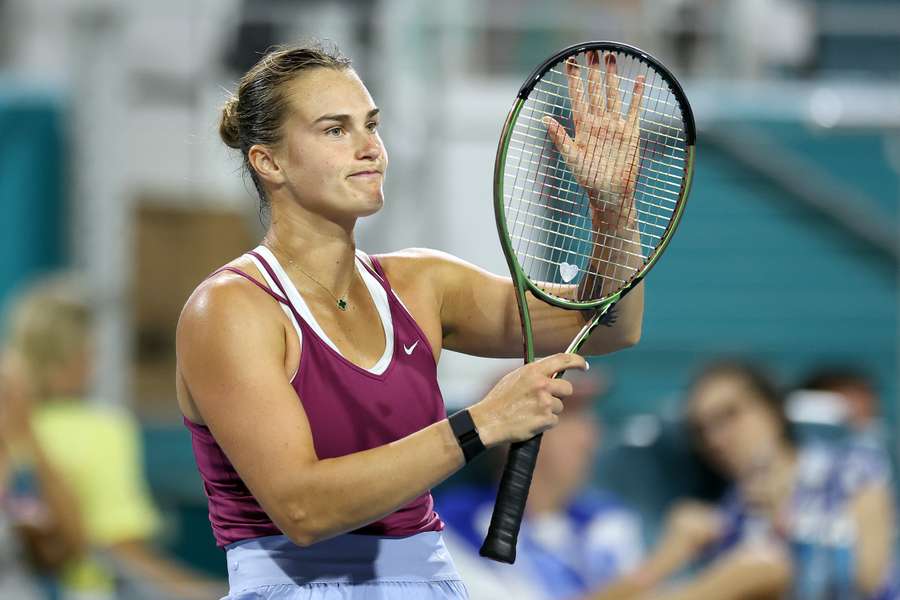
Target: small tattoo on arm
pixel 609 319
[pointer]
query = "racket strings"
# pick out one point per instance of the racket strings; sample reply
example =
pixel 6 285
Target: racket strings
pixel 561 189
pixel 558 241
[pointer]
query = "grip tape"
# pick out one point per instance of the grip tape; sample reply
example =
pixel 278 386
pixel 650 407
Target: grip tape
pixel 500 543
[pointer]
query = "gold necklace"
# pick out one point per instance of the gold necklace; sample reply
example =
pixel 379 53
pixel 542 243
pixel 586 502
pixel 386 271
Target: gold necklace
pixel 340 301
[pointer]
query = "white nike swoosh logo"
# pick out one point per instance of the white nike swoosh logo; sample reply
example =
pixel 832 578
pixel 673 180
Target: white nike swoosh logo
pixel 411 348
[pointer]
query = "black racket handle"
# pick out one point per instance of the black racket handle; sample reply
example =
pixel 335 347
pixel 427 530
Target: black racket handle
pixel 500 543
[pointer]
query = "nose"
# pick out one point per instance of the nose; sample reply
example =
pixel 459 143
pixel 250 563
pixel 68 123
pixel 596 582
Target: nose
pixel 721 441
pixel 369 147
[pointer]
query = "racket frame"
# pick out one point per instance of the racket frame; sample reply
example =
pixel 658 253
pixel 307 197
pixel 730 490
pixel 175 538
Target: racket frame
pixel 500 543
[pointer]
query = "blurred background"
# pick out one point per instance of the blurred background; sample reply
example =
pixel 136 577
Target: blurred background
pixel 110 163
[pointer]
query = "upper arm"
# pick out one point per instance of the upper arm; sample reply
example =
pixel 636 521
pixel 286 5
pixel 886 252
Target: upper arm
pixel 470 309
pixel 480 315
pixel 230 348
pixel 478 312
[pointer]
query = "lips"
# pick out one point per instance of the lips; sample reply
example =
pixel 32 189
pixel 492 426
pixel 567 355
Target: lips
pixel 368 173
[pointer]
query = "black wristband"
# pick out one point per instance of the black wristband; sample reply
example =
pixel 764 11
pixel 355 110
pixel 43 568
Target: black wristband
pixel 466 434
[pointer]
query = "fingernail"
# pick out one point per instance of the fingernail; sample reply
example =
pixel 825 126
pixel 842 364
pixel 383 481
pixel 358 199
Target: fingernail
pixel 594 58
pixel 610 59
pixel 587 366
pixel 545 121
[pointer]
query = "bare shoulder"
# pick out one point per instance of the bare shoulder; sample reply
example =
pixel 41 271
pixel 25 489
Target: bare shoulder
pixel 227 298
pixel 228 322
pixel 423 265
pixel 414 258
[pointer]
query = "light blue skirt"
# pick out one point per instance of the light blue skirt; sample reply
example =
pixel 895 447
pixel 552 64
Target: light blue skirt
pixel 347 567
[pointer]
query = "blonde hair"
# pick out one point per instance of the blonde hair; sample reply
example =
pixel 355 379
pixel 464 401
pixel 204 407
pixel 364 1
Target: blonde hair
pixel 48 324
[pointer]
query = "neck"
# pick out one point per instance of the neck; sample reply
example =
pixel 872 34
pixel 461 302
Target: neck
pixel 786 458
pixel 783 457
pixel 323 249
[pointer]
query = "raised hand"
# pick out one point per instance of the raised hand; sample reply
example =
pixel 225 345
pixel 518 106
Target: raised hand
pixel 604 154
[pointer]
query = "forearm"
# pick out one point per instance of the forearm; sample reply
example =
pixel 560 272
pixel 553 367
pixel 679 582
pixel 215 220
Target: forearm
pixel 617 256
pixel 344 493
pixel 669 557
pixel 757 573
pixel 64 526
pixel 873 512
pixel 617 253
pixel 138 561
pixel 624 326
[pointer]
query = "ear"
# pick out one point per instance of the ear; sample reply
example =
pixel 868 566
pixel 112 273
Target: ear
pixel 262 160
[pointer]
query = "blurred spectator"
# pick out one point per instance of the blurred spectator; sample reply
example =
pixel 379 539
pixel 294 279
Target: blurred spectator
pixel 573 539
pixel 858 392
pixel 809 522
pixel 95 448
pixel 39 526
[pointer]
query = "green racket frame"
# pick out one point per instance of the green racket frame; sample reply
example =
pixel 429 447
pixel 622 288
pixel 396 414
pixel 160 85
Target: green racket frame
pixel 500 542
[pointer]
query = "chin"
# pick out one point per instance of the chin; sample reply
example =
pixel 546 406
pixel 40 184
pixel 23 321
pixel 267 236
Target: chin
pixel 372 206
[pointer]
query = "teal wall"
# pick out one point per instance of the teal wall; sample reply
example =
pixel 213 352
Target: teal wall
pixel 754 273
pixel 33 186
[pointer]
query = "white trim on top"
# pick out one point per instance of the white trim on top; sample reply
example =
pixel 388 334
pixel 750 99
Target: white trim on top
pixel 287 309
pixel 376 291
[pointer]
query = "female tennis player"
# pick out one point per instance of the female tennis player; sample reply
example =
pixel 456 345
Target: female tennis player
pixel 307 369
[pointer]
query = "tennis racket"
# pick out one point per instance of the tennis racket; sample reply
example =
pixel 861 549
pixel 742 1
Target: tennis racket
pixel 592 174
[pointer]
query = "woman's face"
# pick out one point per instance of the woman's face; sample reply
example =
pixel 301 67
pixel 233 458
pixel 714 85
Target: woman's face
pixel 333 158
pixel 732 425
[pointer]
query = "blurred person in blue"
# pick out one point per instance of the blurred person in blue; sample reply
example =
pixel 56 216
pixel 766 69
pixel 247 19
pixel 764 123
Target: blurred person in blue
pixel 574 539
pixel 96 449
pixel 858 392
pixel 39 527
pixel 806 522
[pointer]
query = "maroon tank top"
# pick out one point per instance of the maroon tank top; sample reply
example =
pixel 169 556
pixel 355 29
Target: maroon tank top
pixel 350 409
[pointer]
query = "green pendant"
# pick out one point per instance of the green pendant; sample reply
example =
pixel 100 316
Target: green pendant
pixel 342 304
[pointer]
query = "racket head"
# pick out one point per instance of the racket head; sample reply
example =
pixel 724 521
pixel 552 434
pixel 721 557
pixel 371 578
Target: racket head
pixel 543 211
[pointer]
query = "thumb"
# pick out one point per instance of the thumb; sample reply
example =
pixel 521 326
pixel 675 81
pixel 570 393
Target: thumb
pixel 560 138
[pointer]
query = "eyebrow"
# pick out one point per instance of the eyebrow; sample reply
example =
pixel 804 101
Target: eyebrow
pixel 345 118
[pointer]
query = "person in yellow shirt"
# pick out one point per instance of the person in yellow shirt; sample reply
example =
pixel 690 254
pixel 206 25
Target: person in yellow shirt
pixel 40 528
pixel 96 448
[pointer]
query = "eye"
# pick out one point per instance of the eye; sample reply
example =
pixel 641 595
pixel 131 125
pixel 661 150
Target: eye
pixel 372 126
pixel 334 132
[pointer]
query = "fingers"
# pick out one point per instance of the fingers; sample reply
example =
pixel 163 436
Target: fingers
pixel 560 138
pixel 637 98
pixel 556 406
pixel 563 361
pixel 613 98
pixel 595 83
pixel 576 90
pixel 560 388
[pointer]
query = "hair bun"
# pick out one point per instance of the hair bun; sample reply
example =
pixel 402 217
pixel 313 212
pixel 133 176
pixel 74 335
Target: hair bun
pixel 228 126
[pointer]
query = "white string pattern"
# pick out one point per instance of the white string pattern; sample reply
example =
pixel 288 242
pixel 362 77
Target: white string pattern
pixel 548 212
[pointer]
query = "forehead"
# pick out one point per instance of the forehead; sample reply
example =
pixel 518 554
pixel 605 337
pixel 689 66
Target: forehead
pixel 328 91
pixel 716 392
